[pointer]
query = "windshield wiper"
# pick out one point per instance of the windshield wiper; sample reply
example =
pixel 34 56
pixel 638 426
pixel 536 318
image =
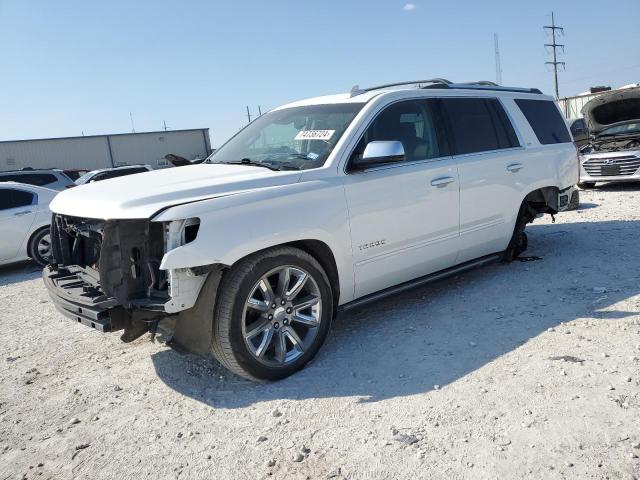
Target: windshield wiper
pixel 248 161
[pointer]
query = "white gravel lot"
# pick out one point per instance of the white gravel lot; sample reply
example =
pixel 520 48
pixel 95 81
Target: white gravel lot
pixel 460 379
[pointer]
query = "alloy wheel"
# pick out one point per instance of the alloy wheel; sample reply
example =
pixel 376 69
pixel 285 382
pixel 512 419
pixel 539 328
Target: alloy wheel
pixel 281 316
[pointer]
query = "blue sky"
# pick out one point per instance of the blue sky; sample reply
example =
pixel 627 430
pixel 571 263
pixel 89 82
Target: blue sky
pixel 81 66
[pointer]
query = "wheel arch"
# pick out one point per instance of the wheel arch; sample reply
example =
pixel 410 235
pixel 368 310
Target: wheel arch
pixel 320 251
pixel 323 254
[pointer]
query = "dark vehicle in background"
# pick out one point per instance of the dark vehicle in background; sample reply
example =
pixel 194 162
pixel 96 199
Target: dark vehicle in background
pixel 107 173
pixel 613 151
pixel 54 179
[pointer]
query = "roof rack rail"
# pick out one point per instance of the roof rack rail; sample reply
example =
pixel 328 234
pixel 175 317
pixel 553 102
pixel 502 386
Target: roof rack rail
pixel 356 90
pixel 487 85
pixel 435 83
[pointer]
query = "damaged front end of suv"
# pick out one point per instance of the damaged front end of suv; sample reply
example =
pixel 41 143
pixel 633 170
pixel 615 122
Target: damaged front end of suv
pixel 613 152
pixel 106 274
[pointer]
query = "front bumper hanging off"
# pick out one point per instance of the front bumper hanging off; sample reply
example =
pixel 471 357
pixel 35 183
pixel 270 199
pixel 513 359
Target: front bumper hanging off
pixel 78 299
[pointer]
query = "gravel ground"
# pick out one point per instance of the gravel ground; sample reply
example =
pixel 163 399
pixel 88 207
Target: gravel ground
pixel 526 370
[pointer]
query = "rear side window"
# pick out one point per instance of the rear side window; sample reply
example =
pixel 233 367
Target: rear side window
pixel 478 125
pixel 10 198
pixel 38 179
pixel 545 120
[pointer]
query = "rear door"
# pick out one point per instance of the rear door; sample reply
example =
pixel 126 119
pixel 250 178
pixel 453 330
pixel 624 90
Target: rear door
pixel 17 213
pixel 404 215
pixel 490 162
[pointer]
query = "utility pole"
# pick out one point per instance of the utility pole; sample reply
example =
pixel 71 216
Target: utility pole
pixel 554 46
pixel 164 123
pixel 498 65
pixel 133 128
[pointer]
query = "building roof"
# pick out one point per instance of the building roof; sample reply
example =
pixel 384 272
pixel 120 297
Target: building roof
pixel 164 132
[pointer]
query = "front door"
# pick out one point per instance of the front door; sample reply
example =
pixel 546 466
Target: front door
pixel 404 216
pixel 17 213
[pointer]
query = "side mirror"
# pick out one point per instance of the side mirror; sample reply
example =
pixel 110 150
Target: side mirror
pixel 380 152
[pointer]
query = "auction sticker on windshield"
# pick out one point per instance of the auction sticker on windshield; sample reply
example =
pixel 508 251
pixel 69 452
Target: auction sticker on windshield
pixel 314 134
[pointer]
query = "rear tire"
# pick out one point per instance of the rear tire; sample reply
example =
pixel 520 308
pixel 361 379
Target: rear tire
pixel 266 326
pixel 39 248
pixel 519 241
pixel 586 185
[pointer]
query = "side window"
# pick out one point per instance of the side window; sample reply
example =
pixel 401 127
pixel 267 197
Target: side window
pixel 5 199
pixel 10 198
pixel 415 123
pixel 21 198
pixel 545 120
pixel 10 178
pixel 478 125
pixel 38 179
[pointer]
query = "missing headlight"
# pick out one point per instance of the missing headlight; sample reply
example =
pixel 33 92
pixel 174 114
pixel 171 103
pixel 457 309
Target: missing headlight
pixel 180 232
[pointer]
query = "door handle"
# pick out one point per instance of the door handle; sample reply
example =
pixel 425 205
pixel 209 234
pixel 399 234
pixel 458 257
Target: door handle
pixel 442 181
pixel 24 212
pixel 515 167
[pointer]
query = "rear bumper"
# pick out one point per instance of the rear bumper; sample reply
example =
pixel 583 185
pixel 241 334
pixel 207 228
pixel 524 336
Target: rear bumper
pixel 80 301
pixel 568 199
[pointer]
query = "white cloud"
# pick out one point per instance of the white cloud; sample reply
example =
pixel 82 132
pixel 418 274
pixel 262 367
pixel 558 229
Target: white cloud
pixel 409 7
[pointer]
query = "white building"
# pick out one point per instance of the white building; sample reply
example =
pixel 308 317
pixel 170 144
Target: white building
pixel 102 151
pixel 572 106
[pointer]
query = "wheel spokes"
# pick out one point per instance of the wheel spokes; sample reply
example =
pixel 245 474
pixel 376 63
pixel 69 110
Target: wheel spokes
pixel 267 291
pixel 264 344
pixel 258 305
pixel 295 339
pixel 307 320
pixel 258 327
pixel 301 280
pixel 284 278
pixel 305 302
pixel 281 347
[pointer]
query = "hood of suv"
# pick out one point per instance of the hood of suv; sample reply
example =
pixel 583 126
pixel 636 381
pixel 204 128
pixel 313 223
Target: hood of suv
pixel 611 109
pixel 145 194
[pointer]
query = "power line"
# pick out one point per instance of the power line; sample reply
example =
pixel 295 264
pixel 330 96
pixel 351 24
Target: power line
pixel 554 46
pixel 498 65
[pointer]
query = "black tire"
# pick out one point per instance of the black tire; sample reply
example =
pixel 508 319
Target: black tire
pixel 228 344
pixel 519 241
pixel 34 242
pixel 586 185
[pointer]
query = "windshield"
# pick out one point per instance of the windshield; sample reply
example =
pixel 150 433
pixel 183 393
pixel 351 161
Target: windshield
pixel 294 138
pixel 83 179
pixel 626 129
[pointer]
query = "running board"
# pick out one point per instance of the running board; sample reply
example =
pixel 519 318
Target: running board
pixel 449 272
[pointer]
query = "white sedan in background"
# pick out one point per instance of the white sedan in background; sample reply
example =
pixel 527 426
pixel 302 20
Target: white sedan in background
pixel 25 219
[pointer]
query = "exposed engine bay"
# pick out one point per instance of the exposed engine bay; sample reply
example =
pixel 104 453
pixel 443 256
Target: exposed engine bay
pixel 610 145
pixel 111 271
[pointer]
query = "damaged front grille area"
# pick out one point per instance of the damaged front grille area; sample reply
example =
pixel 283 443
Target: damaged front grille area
pixel 115 259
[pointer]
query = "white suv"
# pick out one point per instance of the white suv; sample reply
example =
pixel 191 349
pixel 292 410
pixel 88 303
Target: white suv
pixel 314 207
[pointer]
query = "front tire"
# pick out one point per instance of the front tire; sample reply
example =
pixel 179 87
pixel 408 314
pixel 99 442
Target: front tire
pixel 273 314
pixel 40 247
